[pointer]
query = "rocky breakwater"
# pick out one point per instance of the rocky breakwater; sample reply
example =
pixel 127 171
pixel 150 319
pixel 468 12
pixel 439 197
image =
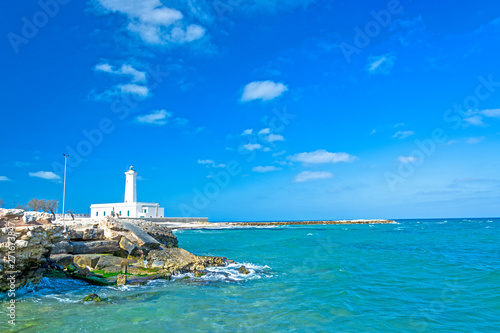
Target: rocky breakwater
pixel 111 251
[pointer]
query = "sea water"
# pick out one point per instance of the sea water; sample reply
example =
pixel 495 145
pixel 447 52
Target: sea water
pixel 415 276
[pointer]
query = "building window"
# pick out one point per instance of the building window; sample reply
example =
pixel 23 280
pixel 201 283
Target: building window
pixel 120 212
pixel 145 210
pixel 96 213
pixel 104 214
pixel 128 212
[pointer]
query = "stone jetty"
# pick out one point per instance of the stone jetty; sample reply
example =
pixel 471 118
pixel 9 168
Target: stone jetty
pixel 105 252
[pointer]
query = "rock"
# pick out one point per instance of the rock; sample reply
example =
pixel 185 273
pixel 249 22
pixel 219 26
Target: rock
pixel 86 234
pixel 11 213
pixel 157 264
pixel 92 298
pixel 180 260
pixel 87 260
pixel 95 247
pixel 159 232
pixel 124 266
pixel 84 272
pixel 37 218
pixel 113 228
pixel 55 274
pixel 199 273
pixel 94 280
pixel 141 237
pixel 64 260
pixel 32 248
pixel 111 264
pixel 61 248
pixel 130 247
pixel 121 279
pixel 12 218
pixel 243 270
pixel 142 280
pixel 73 268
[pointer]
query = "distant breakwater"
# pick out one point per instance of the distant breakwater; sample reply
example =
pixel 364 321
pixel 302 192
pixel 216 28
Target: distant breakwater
pixel 266 224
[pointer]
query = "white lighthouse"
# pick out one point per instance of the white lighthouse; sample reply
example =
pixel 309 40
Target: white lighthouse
pixel 131 185
pixel 130 207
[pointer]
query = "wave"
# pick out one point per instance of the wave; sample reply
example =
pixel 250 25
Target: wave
pixel 230 273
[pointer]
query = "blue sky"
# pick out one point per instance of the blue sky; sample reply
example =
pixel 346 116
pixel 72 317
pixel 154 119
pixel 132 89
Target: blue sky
pixel 252 109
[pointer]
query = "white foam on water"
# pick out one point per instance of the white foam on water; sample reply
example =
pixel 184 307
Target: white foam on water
pixel 62 299
pixel 230 273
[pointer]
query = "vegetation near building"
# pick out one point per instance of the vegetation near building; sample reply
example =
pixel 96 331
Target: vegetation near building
pixel 48 206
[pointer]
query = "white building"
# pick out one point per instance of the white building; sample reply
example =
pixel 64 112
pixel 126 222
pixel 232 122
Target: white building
pixel 130 207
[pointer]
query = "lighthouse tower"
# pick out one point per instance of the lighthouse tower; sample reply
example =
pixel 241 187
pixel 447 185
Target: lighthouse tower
pixel 130 208
pixel 130 185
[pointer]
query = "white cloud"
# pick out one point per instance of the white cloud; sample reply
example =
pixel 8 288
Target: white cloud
pixel 310 175
pixel 247 132
pixel 381 64
pixel 491 113
pixel 153 22
pixel 211 163
pixel 134 89
pixel 264 131
pixel 191 33
pixel 125 69
pixel 263 90
pixel 403 134
pixel 45 175
pixel 266 149
pixel 158 117
pixel 4 178
pixel 321 156
pixel 279 153
pixel 274 137
pixel 475 120
pixel 407 159
pixel 252 146
pixel 262 169
pixel 472 141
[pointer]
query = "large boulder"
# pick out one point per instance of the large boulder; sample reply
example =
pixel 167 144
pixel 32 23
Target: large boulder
pixel 11 213
pixel 113 228
pixel 61 248
pixel 86 234
pixel 37 218
pixel 114 264
pixel 87 260
pixel 63 260
pixel 95 247
pixel 177 260
pixel 159 232
pixel 32 249
pixel 140 237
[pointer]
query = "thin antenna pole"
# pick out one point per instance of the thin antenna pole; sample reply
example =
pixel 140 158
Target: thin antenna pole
pixel 64 186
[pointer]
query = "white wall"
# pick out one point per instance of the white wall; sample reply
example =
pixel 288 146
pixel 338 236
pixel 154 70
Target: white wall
pixel 138 210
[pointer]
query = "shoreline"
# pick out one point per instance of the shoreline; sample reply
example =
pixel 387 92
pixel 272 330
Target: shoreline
pixel 225 225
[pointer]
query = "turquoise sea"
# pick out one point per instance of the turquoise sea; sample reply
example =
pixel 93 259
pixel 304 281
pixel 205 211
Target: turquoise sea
pixel 415 276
